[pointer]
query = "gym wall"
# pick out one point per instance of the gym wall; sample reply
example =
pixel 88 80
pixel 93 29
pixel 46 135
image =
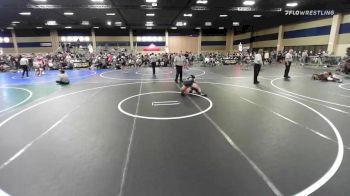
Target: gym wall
pixel 213 40
pixel 244 38
pixel 344 36
pixel 110 38
pixel 183 40
pixel 266 38
pixel 308 33
pixel 34 41
pixel 7 48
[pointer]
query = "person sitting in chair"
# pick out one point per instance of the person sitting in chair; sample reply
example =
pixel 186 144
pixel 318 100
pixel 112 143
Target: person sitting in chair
pixel 62 78
pixel 190 86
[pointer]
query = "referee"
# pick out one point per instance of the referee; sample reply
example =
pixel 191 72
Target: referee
pixel 179 61
pixel 257 65
pixel 288 63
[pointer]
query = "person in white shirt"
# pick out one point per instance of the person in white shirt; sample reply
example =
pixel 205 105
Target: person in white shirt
pixel 257 65
pixel 62 78
pixel 24 62
pixel 179 62
pixel 153 59
pixel 288 63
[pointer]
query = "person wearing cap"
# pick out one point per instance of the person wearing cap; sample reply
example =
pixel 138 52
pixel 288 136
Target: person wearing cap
pixel 257 65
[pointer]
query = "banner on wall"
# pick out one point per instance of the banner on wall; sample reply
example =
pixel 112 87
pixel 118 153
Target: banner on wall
pixel 151 48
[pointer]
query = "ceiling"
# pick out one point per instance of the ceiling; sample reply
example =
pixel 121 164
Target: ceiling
pixel 167 13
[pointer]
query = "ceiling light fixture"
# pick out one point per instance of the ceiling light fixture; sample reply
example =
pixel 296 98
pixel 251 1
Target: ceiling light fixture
pixel 202 2
pixel 122 27
pixel 223 15
pixel 69 27
pixel 51 23
pixel 85 22
pixel 96 27
pixel 148 27
pixel 257 16
pixel 197 28
pixel 150 14
pixel 151 1
pixel 25 13
pixel 110 14
pixel 68 13
pixel 109 23
pixel 118 23
pixel 97 1
pixel 173 27
pixel 187 15
pixel 292 4
pixel 154 4
pixel 208 24
pixel 221 28
pixel 10 28
pixel 40 0
pixel 235 23
pixel 249 3
pixel 15 22
pixel 38 27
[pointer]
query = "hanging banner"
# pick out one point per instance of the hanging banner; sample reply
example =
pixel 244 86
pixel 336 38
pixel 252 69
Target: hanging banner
pixel 151 48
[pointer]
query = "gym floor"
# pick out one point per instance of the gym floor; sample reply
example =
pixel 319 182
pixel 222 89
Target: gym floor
pixel 128 133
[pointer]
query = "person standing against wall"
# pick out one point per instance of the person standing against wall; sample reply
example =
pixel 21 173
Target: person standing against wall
pixel 24 62
pixel 179 62
pixel 257 65
pixel 153 60
pixel 288 63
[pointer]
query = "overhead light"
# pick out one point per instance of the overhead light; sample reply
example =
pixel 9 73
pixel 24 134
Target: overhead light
pixel 248 3
pixel 202 2
pixel 38 27
pixel 223 15
pixel 45 6
pixel 235 23
pixel 180 24
pixel 40 1
pixel 25 13
pixel 208 24
pixel 123 27
pixel 187 15
pixel 110 14
pixel 10 28
pixel 15 22
pixel 68 27
pixel 148 27
pixel 292 4
pixel 151 1
pixel 51 23
pixel 118 23
pixel 68 13
pixel 154 4
pixel 173 27
pixel 257 16
pixel 150 14
pixel 97 1
pixel 85 22
pixel 96 27
pixel 221 28
pixel 98 6
pixel 198 28
pixel 109 23
pixel 149 24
